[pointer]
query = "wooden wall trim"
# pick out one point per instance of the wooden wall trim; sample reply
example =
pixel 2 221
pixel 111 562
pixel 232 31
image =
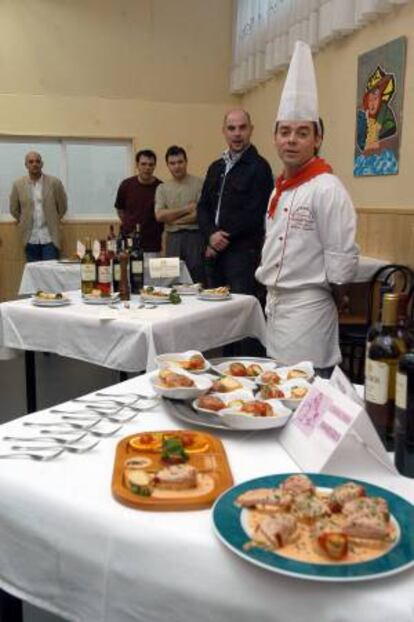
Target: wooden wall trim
pixel 393 210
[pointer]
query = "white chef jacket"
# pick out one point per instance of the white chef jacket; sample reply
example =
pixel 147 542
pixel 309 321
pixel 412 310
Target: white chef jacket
pixel 310 242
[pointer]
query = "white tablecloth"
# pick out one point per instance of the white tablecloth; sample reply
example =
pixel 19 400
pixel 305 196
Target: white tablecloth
pixel 56 276
pixel 130 342
pixel 68 546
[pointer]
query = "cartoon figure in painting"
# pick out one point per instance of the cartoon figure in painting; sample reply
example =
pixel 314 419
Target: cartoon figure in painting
pixel 376 120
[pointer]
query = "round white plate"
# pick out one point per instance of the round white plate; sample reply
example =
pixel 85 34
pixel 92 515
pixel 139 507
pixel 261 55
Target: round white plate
pixel 94 300
pixel 44 302
pixel 228 525
pixel 154 300
pixel 71 261
pixel 244 421
pixel 188 290
pixel 214 297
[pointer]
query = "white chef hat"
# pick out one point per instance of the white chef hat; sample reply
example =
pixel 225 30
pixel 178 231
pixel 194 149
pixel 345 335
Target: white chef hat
pixel 299 99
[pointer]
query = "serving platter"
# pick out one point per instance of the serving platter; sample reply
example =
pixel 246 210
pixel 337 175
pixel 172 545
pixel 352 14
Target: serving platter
pixel 208 457
pixel 228 525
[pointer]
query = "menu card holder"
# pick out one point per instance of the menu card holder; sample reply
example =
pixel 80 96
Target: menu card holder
pixel 331 432
pixel 163 270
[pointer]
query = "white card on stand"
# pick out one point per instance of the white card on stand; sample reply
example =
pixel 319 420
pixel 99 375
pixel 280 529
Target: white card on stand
pixel 164 267
pixel 317 429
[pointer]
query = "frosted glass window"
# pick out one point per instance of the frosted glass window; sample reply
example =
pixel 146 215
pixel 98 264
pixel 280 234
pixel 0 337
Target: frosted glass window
pixel 90 170
pixel 94 174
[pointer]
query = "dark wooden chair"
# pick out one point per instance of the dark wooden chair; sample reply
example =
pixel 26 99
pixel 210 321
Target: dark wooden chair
pixel 353 330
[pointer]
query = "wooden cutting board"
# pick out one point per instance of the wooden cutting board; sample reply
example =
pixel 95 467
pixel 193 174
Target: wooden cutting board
pixel 205 452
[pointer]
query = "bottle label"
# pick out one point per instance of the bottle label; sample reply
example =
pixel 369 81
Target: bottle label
pixel 401 391
pixel 376 382
pixel 88 272
pixel 104 274
pixel 137 266
pixel 117 272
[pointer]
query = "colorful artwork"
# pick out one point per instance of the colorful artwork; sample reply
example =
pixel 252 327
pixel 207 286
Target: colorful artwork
pixel 379 109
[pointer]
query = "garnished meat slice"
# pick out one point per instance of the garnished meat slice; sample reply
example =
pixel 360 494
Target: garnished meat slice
pixel 308 508
pixel 265 496
pixel 176 477
pixel 297 484
pixel 344 493
pixel 371 506
pixel 366 526
pixel 277 530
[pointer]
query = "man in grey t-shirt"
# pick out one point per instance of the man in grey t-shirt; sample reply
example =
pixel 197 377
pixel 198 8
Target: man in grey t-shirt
pixel 176 206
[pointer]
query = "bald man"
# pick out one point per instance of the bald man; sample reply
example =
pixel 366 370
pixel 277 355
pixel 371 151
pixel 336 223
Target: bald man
pixel 38 203
pixel 231 211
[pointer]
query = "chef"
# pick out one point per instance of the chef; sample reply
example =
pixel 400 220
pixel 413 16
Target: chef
pixel 310 248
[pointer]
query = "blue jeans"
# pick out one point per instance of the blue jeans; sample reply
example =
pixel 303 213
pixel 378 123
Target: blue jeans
pixel 41 252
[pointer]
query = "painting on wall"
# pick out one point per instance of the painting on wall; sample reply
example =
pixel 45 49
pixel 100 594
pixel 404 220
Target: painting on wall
pixel 380 93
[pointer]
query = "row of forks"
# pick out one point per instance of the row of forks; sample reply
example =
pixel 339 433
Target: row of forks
pixel 54 434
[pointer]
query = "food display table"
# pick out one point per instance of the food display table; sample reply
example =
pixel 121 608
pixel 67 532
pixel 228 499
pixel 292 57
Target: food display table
pixel 128 341
pixel 64 275
pixel 68 546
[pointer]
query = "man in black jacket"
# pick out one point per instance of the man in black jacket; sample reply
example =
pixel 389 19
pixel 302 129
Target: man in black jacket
pixel 232 208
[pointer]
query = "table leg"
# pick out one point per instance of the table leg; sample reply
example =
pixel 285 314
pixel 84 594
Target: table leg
pixel 29 360
pixel 11 608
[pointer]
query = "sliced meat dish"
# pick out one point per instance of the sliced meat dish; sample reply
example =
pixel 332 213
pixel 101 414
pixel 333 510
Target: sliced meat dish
pixel 176 477
pixel 366 526
pixel 277 530
pixel 344 493
pixel 371 506
pixel 265 496
pixel 308 508
pixel 297 484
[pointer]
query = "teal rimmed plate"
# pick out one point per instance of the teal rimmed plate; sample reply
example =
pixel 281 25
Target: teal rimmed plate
pixel 228 527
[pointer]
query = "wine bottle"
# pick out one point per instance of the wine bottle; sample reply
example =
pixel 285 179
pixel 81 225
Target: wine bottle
pixel 124 292
pixel 103 271
pixel 381 366
pixel 88 269
pixel 116 267
pixel 136 264
pixel 111 243
pixel 404 415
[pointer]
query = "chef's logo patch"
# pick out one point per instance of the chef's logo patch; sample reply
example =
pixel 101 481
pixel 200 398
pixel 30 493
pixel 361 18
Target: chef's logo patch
pixel 302 218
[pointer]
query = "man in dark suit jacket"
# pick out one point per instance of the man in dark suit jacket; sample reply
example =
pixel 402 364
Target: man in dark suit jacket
pixel 232 208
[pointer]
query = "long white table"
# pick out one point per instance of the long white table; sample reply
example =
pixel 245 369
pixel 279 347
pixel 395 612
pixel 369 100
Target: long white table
pixel 127 340
pixel 66 545
pixel 61 276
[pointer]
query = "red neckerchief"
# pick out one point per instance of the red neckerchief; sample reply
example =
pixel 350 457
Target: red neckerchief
pixel 315 167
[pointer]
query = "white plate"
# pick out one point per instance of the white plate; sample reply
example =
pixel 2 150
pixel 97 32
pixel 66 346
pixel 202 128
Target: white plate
pixel 102 300
pixel 241 394
pixel 44 302
pixel 222 368
pixel 286 387
pixel 202 384
pixel 155 300
pixel 305 366
pixel 72 261
pixel 243 421
pixel 228 524
pixel 244 382
pixel 172 360
pixel 214 297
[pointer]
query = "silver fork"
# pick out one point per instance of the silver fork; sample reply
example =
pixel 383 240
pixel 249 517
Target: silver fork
pixel 33 456
pixel 56 439
pixel 137 395
pixel 98 433
pixel 105 416
pixel 76 426
pixel 75 449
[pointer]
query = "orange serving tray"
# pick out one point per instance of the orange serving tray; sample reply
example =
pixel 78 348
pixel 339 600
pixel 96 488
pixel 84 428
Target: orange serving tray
pixel 209 457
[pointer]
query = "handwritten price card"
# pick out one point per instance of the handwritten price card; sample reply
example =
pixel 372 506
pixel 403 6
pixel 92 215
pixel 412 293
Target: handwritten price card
pixel 318 426
pixel 164 267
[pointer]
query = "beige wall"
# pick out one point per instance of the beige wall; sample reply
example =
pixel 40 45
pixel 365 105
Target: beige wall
pixel 336 71
pixel 153 70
